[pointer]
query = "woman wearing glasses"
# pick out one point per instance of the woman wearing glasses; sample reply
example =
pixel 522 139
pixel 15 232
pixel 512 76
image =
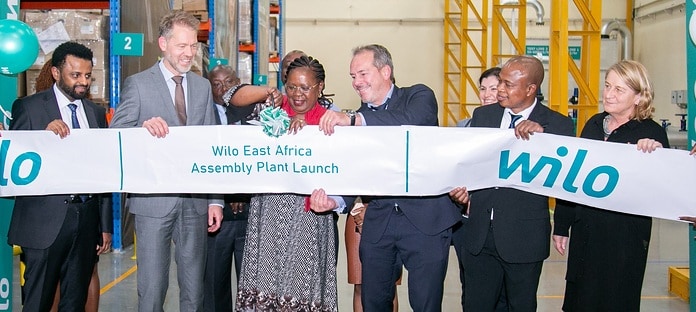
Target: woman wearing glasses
pixel 289 257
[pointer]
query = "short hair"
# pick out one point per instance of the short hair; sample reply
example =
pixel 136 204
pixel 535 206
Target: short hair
pixel 70 48
pixel 223 67
pixel 181 18
pixel 534 68
pixel 381 57
pixel 635 76
pixel 493 71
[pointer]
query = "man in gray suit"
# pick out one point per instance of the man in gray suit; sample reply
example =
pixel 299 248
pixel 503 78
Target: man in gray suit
pixel 153 99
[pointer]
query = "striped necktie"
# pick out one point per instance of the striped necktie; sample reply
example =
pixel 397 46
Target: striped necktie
pixel 513 119
pixel 73 116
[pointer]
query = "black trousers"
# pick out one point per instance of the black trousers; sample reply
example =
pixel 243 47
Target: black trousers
pixel 70 260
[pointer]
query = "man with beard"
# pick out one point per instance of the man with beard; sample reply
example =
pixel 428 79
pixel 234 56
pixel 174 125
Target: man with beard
pixel 59 234
pixel 168 94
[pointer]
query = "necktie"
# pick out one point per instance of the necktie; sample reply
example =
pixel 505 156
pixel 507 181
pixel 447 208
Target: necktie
pixel 179 100
pixel 73 116
pixel 513 119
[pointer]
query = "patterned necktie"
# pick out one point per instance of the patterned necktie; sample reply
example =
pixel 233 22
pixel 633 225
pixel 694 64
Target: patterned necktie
pixel 513 119
pixel 73 116
pixel 179 99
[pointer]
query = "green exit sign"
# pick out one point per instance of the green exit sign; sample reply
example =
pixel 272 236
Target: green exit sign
pixel 128 44
pixel 543 50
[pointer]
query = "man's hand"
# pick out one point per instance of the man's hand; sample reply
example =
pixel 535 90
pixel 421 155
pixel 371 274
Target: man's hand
pixel 320 202
pixel 526 128
pixel 106 244
pixel 460 195
pixel 560 243
pixel 214 218
pixel 59 127
pixel 330 119
pixel 157 127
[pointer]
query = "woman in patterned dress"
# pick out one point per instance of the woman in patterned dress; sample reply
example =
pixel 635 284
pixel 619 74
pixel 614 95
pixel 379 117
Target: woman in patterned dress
pixel 290 253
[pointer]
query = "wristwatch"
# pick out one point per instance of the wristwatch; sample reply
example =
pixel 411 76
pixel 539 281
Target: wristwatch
pixel 351 114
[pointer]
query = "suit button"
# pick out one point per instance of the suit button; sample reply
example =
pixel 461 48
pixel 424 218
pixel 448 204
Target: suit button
pixel 65 202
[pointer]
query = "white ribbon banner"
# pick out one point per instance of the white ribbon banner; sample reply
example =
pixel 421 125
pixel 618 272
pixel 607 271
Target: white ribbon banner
pixel 405 160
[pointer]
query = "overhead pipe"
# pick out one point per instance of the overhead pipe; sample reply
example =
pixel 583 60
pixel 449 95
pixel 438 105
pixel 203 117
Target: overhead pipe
pixel 533 3
pixel 627 44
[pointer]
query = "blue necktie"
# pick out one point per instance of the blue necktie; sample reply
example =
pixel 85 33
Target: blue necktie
pixel 513 119
pixel 73 116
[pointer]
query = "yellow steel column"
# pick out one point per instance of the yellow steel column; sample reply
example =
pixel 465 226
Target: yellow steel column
pixel 460 47
pixel 561 63
pixel 558 57
pixel 516 37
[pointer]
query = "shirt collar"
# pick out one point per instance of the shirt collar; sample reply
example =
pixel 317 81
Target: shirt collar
pixel 63 100
pixel 386 98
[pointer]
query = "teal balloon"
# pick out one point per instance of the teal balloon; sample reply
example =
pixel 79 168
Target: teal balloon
pixel 19 47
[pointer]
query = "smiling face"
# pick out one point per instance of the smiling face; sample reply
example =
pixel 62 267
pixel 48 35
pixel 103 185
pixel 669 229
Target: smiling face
pixel 620 100
pixel 371 83
pixel 303 89
pixel 179 49
pixel 515 90
pixel 74 77
pixel 221 80
pixel 488 90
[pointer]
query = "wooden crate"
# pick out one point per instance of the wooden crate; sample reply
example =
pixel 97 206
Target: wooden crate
pixel 678 282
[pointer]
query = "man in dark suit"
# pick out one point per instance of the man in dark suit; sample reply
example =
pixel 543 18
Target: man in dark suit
pixel 59 234
pixel 411 231
pixel 163 95
pixel 508 231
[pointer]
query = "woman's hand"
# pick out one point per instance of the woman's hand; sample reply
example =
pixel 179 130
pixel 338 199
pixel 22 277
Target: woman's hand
pixel 296 124
pixel 648 145
pixel 560 243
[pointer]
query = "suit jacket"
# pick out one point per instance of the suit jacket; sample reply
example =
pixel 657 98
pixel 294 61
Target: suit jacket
pixel 145 95
pixel 521 222
pixel 36 220
pixel 414 105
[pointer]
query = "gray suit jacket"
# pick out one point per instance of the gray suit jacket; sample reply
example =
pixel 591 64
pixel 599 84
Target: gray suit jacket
pixel 145 95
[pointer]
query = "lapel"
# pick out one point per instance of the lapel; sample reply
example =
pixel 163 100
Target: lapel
pixel 90 113
pixel 51 104
pixel 539 114
pixel 165 98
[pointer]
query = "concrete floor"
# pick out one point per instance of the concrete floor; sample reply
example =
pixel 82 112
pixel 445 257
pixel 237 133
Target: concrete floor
pixel 669 247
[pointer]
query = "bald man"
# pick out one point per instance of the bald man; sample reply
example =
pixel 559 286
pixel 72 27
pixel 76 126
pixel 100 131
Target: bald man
pixel 508 230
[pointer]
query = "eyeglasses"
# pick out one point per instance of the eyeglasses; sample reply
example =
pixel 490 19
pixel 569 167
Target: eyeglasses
pixel 293 88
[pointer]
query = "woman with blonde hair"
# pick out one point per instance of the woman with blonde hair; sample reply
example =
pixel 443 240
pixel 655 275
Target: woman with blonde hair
pixel 608 250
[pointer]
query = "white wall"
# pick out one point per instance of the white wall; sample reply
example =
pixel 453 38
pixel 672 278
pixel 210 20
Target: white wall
pixel 412 31
pixel 415 42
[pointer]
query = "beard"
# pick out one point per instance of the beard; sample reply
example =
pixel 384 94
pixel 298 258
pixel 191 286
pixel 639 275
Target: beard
pixel 71 90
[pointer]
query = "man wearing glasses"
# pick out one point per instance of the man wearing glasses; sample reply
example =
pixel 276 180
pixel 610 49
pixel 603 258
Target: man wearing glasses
pixel 411 231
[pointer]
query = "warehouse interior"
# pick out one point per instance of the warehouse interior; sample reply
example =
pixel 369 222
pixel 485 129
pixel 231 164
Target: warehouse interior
pixel 444 44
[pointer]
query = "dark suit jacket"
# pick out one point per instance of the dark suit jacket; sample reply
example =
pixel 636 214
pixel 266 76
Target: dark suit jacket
pixel 414 105
pixel 36 220
pixel 521 221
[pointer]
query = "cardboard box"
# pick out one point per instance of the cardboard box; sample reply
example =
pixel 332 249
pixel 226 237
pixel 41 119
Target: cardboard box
pixel 89 26
pixel 678 282
pixel 30 80
pixel 99 90
pixel 100 51
pixel 195 5
pixel 177 5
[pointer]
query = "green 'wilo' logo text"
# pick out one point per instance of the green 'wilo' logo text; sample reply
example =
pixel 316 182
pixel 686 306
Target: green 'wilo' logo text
pixel 522 161
pixel 30 159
